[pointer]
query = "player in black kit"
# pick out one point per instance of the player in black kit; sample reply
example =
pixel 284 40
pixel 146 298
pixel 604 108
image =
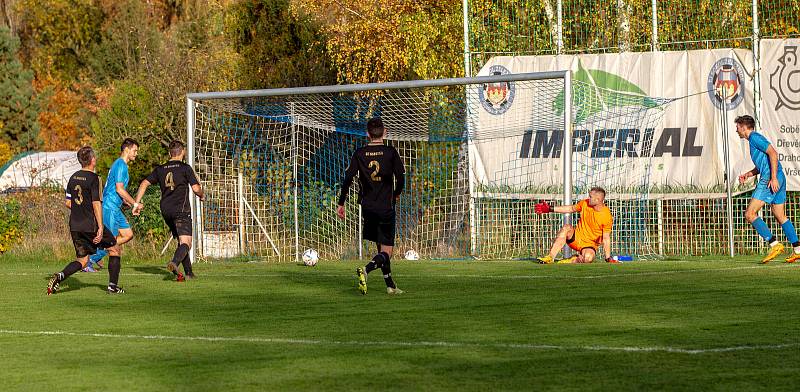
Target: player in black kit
pixel 381 177
pixel 85 221
pixel 175 178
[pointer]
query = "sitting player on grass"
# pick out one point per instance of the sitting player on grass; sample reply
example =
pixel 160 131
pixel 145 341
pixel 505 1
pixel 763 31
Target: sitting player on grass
pixel 593 229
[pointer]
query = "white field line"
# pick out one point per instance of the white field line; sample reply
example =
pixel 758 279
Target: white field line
pixel 419 344
pixel 434 276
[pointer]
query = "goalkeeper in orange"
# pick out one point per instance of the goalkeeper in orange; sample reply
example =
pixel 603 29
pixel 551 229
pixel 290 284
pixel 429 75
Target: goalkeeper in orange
pixel 593 229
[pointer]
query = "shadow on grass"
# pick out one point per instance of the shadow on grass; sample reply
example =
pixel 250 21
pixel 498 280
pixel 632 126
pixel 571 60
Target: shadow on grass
pixel 72 283
pixel 153 270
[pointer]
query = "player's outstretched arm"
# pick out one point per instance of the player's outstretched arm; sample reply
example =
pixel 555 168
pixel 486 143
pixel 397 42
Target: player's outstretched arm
pixel 142 189
pixel 198 190
pixel 139 195
pixel 544 208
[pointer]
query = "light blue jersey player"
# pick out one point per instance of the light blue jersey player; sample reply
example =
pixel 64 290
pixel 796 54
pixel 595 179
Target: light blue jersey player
pixel 115 195
pixel 770 189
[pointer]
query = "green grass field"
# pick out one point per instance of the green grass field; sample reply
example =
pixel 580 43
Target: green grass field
pixel 693 325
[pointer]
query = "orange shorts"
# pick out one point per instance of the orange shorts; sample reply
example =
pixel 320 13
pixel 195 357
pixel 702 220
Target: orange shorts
pixel 580 244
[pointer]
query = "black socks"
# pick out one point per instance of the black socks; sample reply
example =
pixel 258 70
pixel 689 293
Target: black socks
pixel 114 265
pixel 70 269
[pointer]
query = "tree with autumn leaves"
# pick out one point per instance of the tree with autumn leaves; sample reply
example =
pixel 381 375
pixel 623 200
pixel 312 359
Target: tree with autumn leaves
pixel 387 40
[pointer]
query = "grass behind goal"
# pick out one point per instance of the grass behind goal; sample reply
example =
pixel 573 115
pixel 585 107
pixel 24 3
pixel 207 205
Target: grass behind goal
pixel 704 325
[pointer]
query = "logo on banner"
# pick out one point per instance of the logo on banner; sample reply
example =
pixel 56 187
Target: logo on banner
pixel 785 80
pixel 497 97
pixel 597 91
pixel 726 82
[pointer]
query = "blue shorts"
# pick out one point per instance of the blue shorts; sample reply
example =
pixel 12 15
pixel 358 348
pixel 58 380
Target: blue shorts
pixel 763 193
pixel 114 219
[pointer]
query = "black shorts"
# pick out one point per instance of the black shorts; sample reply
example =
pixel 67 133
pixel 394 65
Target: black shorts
pixel 179 224
pixel 84 246
pixel 378 226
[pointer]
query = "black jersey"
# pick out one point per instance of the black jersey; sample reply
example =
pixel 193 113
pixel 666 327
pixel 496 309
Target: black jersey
pixel 175 179
pixel 380 173
pixel 83 188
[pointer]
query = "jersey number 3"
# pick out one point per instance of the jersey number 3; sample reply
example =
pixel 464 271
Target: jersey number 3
pixel 78 195
pixel 374 175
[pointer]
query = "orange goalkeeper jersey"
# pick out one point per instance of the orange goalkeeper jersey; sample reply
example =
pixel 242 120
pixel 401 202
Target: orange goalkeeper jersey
pixel 593 223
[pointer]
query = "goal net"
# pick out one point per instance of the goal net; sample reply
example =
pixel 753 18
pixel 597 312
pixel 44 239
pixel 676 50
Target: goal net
pixel 479 153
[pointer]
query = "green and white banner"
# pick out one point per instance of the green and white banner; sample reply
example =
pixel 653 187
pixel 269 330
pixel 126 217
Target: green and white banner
pixel 682 151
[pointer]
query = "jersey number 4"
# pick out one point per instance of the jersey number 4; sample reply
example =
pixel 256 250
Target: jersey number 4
pixel 169 181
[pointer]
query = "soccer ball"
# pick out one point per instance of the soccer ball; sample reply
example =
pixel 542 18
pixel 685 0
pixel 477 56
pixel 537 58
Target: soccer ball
pixel 310 257
pixel 411 255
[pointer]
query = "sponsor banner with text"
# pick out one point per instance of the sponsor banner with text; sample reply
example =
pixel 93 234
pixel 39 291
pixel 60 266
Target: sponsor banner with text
pixel 780 105
pixel 681 151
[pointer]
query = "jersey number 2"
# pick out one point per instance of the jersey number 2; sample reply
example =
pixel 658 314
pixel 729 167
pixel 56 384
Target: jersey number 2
pixel 374 175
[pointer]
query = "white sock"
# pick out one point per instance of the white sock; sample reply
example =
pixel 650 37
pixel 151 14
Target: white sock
pixel 773 243
pixel 797 250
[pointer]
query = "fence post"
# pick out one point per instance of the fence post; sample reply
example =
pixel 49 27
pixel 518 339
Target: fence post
pixel 660 212
pixel 654 44
pixel 756 66
pixel 560 40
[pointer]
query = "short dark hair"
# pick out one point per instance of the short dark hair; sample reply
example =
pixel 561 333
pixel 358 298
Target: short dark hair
pixel 746 120
pixel 175 148
pixel 85 155
pixel 375 127
pixel 128 142
pixel 598 189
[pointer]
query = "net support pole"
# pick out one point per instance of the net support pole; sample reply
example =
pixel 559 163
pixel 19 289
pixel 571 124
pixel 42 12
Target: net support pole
pixel 473 225
pixel 756 66
pixel 240 199
pixel 728 176
pixel 654 17
pixel 295 154
pixel 190 106
pixel 360 234
pixel 567 145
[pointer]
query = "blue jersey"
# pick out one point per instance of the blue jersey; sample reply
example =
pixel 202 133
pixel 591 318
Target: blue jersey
pixel 758 153
pixel 117 173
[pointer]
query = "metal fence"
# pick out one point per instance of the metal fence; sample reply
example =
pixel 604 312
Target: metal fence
pixel 687 225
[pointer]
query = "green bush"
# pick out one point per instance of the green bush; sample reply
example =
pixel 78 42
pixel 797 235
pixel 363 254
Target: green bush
pixel 10 231
pixel 149 223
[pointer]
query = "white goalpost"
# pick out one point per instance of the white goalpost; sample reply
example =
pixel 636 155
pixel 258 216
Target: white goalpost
pixel 479 152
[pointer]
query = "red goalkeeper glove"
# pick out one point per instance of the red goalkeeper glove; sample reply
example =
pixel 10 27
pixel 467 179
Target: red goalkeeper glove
pixel 542 208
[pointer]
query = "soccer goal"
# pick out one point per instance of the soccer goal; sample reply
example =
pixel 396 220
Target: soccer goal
pixel 479 153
